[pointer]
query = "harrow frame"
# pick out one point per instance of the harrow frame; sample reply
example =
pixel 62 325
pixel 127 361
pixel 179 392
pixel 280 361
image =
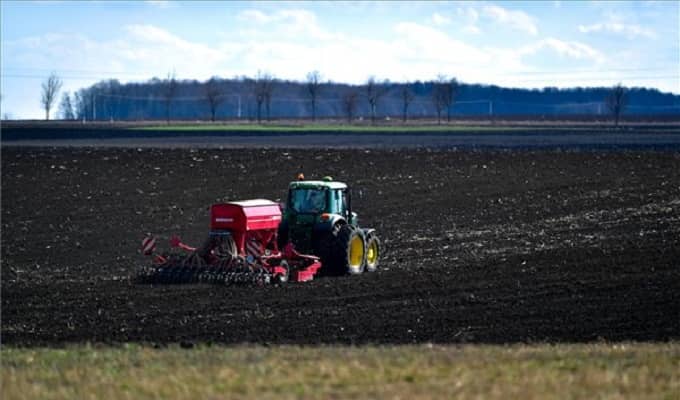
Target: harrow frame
pixel 249 230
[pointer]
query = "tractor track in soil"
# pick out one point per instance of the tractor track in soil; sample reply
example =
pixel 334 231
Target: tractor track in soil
pixel 480 246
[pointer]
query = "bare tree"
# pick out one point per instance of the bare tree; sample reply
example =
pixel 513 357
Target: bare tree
pixel 616 102
pixel 263 88
pixel 50 89
pixel 450 92
pixel 66 108
pixel 439 96
pixel 313 87
pixel 407 97
pixel 213 94
pixel 444 92
pixel 258 91
pixel 170 86
pixel 79 105
pixel 374 91
pixel 349 104
pixel 268 96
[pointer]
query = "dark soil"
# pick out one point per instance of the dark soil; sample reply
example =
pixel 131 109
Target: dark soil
pixel 493 247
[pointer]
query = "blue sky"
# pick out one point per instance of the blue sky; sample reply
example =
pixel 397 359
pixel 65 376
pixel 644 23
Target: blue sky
pixel 518 44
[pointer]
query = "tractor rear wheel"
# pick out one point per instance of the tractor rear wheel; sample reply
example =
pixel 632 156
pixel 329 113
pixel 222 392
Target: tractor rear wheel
pixel 350 251
pixel 372 253
pixel 325 248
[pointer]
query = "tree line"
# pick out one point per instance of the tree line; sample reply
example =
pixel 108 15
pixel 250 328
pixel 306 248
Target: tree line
pixel 264 97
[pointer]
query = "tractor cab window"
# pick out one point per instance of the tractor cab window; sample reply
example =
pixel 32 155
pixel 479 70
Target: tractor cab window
pixel 343 202
pixel 308 200
pixel 336 201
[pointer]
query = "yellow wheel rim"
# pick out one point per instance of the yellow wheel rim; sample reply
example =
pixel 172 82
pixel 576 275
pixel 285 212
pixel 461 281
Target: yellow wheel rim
pixel 372 253
pixel 356 252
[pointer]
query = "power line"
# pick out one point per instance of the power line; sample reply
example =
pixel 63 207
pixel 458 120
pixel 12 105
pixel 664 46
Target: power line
pixel 154 97
pixel 386 100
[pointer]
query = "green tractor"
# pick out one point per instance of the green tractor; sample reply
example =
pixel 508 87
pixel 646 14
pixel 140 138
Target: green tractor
pixel 318 219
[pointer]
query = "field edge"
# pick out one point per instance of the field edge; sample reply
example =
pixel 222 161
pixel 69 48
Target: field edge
pixel 603 370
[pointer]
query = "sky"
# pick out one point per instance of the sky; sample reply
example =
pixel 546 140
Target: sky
pixel 516 44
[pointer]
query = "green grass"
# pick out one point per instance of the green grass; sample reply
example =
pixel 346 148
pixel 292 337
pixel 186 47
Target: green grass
pixel 339 128
pixel 331 128
pixel 408 372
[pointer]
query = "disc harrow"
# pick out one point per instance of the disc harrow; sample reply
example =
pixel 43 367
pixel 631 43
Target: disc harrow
pixel 241 248
pixel 172 274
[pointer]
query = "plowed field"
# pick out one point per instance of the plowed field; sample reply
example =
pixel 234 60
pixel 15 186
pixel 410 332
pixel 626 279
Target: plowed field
pixel 480 246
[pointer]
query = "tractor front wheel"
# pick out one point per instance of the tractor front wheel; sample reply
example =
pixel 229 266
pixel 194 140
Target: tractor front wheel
pixel 350 250
pixel 372 253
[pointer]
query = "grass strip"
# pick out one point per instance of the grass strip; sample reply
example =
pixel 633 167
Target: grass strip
pixel 600 371
pixel 333 128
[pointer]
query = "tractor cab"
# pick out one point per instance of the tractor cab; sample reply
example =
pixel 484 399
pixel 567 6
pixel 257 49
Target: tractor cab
pixel 326 200
pixel 318 219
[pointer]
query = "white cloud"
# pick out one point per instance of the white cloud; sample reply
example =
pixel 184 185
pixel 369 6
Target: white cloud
pixel 159 48
pixel 430 44
pixel 292 23
pixel 439 19
pixel 630 31
pixel 518 20
pixel 256 16
pixel 570 49
pixel 153 34
pixel 471 29
pixel 467 17
pixel 415 52
pixel 469 13
pixel 619 23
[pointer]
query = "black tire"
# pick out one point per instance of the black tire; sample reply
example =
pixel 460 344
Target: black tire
pixel 373 251
pixel 324 250
pixel 349 253
pixel 282 236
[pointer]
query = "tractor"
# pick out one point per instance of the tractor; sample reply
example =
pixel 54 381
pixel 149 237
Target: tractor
pixel 260 241
pixel 318 219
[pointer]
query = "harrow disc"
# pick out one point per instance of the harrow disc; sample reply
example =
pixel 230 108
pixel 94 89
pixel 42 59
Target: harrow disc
pixel 237 272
